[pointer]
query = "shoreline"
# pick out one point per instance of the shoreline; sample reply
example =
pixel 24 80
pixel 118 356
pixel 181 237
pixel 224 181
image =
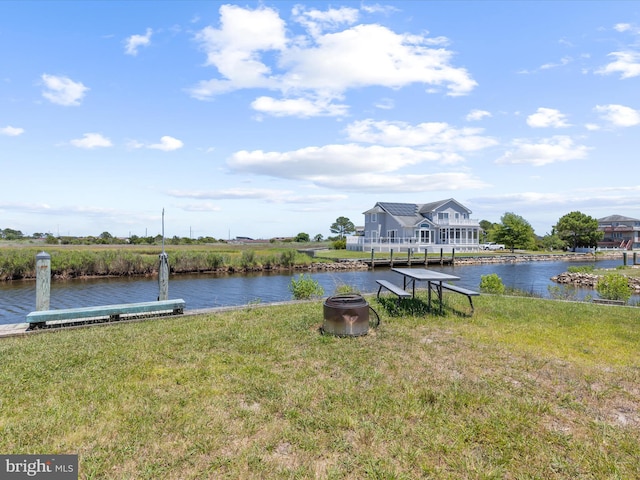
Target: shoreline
pixel 352 264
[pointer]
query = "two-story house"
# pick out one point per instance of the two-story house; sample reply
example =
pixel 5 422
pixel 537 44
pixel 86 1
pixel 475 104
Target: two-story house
pixel 420 226
pixel 620 232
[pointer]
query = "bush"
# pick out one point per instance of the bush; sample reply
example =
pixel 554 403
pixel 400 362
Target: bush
pixel 344 289
pixel 288 258
pixel 248 259
pixel 491 283
pixel 340 244
pixel 581 269
pixel 614 286
pixel 305 287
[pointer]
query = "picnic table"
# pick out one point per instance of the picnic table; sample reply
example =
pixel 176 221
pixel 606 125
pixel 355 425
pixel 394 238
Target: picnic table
pixel 433 278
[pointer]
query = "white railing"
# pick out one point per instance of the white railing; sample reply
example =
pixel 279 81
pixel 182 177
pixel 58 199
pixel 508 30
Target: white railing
pixel 399 243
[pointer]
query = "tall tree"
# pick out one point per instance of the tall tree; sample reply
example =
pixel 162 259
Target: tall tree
pixel 514 231
pixel 342 226
pixel 578 230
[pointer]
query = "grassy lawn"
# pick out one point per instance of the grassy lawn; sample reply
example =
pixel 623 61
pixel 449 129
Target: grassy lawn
pixel 525 388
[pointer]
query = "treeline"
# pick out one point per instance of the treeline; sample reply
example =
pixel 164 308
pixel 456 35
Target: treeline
pixel 19 263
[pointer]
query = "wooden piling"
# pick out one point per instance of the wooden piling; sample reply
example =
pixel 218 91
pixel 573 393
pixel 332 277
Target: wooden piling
pixel 163 277
pixel 43 281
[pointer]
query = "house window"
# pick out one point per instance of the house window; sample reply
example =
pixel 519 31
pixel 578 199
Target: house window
pixel 443 215
pixel 392 234
pixel 374 217
pixel 424 236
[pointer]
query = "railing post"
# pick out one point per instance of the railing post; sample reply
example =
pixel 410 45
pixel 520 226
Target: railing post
pixel 43 281
pixel 163 276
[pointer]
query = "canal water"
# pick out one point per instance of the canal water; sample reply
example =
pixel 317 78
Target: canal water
pixel 199 291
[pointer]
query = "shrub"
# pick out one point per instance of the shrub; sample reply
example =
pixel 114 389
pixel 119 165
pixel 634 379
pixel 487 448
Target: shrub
pixel 491 283
pixel 340 244
pixel 305 287
pixel 248 259
pixel 614 286
pixel 343 289
pixel 581 269
pixel 288 258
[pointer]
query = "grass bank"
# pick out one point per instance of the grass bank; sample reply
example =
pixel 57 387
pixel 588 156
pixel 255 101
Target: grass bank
pixel 127 260
pixel 526 388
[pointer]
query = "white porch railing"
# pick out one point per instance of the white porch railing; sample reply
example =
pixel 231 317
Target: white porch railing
pixel 399 244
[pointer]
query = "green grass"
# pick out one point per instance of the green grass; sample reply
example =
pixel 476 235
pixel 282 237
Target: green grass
pixel 525 388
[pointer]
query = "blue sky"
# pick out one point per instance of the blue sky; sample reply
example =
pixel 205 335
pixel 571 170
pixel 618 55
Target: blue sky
pixel 266 119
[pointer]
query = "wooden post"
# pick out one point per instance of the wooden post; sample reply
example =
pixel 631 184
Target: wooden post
pixel 624 258
pixel 441 258
pixel 635 257
pixel 391 260
pixel 409 256
pixel 43 281
pixel 453 255
pixel 426 262
pixel 373 263
pixel 163 277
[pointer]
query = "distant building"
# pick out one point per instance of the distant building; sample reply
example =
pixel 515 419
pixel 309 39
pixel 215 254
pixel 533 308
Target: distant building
pixel 445 225
pixel 620 232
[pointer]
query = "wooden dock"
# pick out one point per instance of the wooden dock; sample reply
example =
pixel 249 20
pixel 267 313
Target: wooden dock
pixel 405 262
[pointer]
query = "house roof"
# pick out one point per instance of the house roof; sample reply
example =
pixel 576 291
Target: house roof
pixel 617 218
pixel 430 207
pixel 410 214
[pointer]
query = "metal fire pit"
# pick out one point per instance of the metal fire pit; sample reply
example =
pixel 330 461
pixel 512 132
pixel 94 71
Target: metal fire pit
pixel 347 315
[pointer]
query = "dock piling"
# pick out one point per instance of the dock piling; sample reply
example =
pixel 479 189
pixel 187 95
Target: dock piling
pixel 43 281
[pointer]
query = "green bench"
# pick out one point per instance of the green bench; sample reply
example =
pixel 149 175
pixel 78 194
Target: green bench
pixel 107 312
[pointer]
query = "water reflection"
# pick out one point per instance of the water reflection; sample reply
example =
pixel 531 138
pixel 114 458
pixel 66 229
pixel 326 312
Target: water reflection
pixel 17 299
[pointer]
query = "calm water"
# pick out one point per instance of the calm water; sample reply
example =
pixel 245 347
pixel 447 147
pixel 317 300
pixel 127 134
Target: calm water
pixel 17 299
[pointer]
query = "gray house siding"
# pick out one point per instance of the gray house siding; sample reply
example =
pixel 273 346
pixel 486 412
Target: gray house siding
pixel 402 226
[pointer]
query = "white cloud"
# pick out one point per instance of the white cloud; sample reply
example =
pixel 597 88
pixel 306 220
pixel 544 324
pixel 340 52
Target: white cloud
pixel 559 148
pixel 134 42
pixel 619 115
pixel 91 140
pixel 386 184
pixel 11 131
pixel 167 144
pixel 311 162
pixel 319 68
pixel 267 195
pixel 547 117
pixel 474 115
pixel 63 90
pixel 385 104
pixel 622 27
pixel 563 61
pixel 317 21
pixel 433 135
pixel 625 63
pixel 298 107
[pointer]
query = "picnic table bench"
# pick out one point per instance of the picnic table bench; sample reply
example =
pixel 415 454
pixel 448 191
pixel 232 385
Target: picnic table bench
pixel 393 288
pixel 110 312
pixel 463 291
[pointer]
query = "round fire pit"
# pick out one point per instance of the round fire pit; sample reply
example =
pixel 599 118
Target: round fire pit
pixel 347 315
